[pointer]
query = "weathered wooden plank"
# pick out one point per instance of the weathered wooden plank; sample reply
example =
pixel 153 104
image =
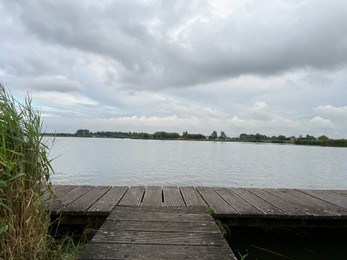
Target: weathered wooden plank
pixel 133 196
pixel 153 196
pixel 141 214
pixel 151 238
pixel 341 192
pixel 159 238
pixel 74 194
pixel 259 203
pixel 108 201
pixel 83 203
pixel 133 225
pixel 67 198
pixel 330 209
pixel 290 209
pixel 218 204
pixel 63 189
pixel 310 209
pixel 173 252
pixel 56 187
pixel 243 207
pixel 192 197
pixel 232 202
pixel 328 196
pixel 172 197
pixel 173 209
pixel 341 198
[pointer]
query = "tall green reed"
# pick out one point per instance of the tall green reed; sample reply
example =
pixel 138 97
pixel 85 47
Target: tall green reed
pixel 24 180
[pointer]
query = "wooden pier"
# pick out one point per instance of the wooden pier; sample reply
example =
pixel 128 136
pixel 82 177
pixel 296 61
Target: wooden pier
pixel 174 221
pixel 158 233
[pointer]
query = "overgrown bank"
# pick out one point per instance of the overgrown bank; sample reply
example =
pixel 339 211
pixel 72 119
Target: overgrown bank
pixel 24 186
pixel 24 222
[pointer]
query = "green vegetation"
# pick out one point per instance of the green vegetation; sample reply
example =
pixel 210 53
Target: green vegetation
pixel 24 169
pixel 160 135
pixel 165 135
pixel 66 248
pixel 322 141
pixel 242 257
pixel 24 187
pixel 209 209
pixel 187 136
pixel 224 229
pixel 263 138
pixel 257 138
pixel 213 136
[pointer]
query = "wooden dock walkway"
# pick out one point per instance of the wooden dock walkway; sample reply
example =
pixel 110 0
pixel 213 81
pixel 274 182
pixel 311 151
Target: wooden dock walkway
pixel 252 206
pixel 158 233
pixel 173 222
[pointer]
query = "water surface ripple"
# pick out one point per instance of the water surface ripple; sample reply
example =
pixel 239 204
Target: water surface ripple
pixel 97 161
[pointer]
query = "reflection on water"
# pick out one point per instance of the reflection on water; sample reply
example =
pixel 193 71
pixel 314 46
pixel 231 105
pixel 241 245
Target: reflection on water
pixel 97 161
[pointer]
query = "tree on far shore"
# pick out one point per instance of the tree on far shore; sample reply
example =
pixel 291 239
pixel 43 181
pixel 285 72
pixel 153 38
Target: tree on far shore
pixel 222 135
pixel 213 136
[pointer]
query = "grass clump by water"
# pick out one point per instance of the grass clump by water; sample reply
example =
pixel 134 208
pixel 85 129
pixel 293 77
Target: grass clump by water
pixel 224 229
pixel 24 181
pixel 66 248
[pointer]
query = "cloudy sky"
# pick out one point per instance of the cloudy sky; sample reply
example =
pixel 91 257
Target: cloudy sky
pixel 255 66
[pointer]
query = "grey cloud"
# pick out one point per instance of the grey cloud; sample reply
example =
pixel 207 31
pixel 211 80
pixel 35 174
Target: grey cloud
pixel 55 83
pixel 263 39
pixel 182 58
pixel 26 65
pixel 319 79
pixel 114 31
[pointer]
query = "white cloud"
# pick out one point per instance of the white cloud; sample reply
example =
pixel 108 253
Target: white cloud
pixel 224 41
pixel 187 110
pixel 261 111
pixel 242 125
pixel 332 111
pixel 320 122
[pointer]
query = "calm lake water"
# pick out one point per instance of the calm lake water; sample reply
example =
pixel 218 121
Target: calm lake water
pixel 97 161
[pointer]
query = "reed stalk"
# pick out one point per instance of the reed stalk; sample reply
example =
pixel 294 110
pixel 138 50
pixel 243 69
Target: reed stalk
pixel 24 181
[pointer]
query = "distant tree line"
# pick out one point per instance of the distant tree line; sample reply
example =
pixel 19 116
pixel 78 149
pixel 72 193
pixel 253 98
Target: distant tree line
pixel 321 141
pixel 186 135
pixel 162 135
pixel 263 138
